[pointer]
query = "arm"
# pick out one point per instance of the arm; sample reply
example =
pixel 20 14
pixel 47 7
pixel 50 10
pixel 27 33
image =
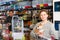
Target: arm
pixel 8 21
pixel 8 24
pixel 33 34
pixel 52 31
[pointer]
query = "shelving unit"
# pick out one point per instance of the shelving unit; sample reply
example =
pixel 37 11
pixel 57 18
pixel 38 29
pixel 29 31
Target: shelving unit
pixel 21 5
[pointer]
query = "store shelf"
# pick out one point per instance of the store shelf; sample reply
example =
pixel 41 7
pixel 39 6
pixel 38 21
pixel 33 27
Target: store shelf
pixel 48 7
pixel 22 9
pixel 24 2
pixel 27 20
pixel 8 3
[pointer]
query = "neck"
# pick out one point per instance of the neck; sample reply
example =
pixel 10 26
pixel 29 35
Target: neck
pixel 44 21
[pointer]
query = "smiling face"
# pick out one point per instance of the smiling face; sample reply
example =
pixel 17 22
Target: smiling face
pixel 43 15
pixel 10 13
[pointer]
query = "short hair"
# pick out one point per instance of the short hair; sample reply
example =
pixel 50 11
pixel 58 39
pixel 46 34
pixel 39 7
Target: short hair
pixel 11 11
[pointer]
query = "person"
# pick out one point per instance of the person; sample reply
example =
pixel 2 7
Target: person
pixel 43 30
pixel 8 20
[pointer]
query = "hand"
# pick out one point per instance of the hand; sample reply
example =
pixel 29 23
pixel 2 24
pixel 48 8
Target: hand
pixel 52 37
pixel 8 24
pixel 40 34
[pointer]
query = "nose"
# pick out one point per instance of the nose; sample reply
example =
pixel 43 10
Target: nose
pixel 42 16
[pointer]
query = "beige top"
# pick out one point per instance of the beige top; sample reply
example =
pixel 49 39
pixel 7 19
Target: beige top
pixel 48 30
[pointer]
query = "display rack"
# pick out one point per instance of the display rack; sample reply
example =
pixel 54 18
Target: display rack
pixel 17 28
pixel 22 5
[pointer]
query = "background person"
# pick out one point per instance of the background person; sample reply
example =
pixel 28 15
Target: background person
pixel 9 20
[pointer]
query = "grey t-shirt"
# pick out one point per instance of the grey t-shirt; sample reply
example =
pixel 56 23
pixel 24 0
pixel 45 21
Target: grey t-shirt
pixel 48 30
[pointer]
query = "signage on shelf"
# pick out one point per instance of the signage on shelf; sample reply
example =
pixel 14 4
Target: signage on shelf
pixel 34 3
pixel 42 3
pixel 24 4
pixel 18 7
pixel 1 2
pixel 18 0
pixel 2 8
pixel 50 2
pixel 8 0
pixel 45 1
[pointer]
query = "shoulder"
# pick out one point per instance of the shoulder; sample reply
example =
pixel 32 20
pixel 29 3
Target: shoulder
pixel 49 22
pixel 38 23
